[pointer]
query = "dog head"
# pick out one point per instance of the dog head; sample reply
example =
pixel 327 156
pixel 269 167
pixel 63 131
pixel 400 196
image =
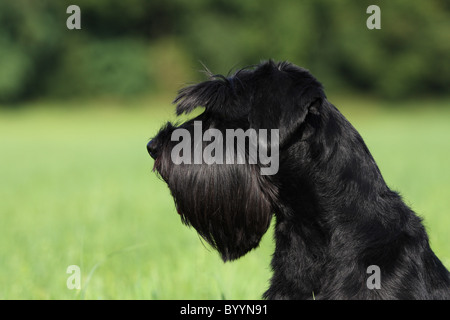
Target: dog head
pixel 214 164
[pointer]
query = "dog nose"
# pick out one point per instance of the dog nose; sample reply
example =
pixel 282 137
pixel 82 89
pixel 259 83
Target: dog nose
pixel 151 148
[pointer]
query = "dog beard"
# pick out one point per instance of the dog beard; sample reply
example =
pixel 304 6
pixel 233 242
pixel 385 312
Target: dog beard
pixel 229 205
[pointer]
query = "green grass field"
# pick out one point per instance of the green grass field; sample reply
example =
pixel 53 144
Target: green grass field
pixel 77 188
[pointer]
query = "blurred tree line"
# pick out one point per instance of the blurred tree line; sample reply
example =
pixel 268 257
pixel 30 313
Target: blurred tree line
pixel 133 47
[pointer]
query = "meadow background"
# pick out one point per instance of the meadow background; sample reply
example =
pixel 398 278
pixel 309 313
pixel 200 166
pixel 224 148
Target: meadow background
pixel 77 108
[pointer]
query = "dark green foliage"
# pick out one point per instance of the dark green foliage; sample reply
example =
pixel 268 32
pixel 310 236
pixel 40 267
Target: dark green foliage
pixel 125 47
pixel 116 66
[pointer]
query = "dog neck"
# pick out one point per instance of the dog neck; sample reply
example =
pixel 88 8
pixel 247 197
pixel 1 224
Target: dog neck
pixel 314 210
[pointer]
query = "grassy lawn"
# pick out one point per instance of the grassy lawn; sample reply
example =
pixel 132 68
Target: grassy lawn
pixel 76 188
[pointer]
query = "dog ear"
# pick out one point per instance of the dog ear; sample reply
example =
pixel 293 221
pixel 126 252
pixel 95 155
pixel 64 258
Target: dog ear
pixel 288 94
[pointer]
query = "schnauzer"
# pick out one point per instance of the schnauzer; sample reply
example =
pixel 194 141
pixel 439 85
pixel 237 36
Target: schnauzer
pixel 337 222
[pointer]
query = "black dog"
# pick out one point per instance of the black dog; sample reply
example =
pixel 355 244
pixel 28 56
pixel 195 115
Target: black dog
pixel 337 222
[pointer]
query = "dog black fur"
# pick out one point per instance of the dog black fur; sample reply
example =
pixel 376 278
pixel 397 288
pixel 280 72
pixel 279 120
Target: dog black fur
pixel 335 215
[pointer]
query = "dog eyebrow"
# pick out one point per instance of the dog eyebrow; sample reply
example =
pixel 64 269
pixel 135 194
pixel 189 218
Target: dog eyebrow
pixel 230 81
